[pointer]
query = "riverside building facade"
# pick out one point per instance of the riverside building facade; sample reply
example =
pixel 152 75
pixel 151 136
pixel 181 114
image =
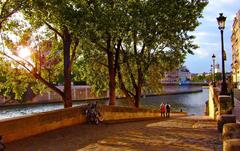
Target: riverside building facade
pixel 235 49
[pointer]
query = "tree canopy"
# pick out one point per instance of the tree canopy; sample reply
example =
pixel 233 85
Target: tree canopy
pixel 148 38
pixel 113 45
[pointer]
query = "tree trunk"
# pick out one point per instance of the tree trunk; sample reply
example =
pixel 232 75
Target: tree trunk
pixel 139 85
pixel 112 80
pixel 67 69
pixel 137 97
pixel 123 88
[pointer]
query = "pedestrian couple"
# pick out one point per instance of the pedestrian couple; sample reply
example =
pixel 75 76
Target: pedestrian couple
pixel 165 110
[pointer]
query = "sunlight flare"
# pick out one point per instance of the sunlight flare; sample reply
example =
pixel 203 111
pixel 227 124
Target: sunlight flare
pixel 24 52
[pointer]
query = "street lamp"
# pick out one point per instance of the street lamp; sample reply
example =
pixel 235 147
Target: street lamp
pixel 221 25
pixel 213 58
pixel 211 73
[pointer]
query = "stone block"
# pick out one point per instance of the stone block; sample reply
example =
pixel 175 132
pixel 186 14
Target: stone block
pixel 223 119
pixel 225 104
pixel 206 108
pixel 231 145
pixel 230 131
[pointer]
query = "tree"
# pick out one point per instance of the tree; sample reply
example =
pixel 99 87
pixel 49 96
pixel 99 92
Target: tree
pixel 137 37
pixel 16 68
pixel 58 18
pixel 158 37
pixel 11 86
pixel 131 39
pixel 106 25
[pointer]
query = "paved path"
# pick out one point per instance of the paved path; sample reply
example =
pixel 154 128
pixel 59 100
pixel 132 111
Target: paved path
pixel 191 133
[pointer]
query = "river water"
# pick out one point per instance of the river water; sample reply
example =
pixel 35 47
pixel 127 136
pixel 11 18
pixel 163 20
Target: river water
pixel 192 103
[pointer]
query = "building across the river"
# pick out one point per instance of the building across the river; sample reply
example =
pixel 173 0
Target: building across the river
pixel 181 75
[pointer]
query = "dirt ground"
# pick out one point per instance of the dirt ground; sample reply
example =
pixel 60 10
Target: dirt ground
pixel 191 133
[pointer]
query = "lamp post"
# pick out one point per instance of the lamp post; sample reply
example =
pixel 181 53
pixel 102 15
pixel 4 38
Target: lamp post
pixel 211 71
pixel 221 25
pixel 213 58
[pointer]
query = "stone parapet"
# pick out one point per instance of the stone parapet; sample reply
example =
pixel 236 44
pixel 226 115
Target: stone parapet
pixel 22 127
pixel 218 104
pixel 225 104
pixel 231 145
pixel 224 119
pixel 231 130
pixel 231 137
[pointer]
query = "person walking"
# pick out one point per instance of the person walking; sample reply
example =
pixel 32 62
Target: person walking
pixel 168 109
pixel 163 109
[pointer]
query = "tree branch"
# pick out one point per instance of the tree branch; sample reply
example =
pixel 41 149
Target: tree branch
pixel 35 74
pixel 54 29
pixel 100 46
pixel 4 18
pixel 101 63
pixel 17 61
pixel 3 7
pixel 76 42
pixel 49 85
pixel 122 85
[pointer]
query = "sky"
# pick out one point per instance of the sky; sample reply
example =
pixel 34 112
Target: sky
pixel 208 36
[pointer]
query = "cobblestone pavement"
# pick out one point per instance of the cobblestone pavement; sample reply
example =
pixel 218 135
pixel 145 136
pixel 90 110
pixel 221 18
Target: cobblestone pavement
pixel 190 133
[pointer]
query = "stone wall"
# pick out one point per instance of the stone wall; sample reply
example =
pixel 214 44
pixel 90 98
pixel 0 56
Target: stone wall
pixel 218 104
pixel 21 127
pixel 231 137
pixel 211 110
pixel 212 102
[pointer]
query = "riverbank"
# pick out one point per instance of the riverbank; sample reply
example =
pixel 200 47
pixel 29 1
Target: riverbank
pixel 172 90
pixel 176 92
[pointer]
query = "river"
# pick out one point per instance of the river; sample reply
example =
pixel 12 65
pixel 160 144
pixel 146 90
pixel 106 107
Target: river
pixel 192 103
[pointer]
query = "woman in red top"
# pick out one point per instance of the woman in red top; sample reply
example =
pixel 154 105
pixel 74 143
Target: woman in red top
pixel 163 109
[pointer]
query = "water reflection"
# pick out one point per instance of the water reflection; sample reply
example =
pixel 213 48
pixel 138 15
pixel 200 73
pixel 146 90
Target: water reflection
pixel 193 103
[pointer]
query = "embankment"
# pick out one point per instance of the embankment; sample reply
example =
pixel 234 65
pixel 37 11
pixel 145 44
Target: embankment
pixel 25 126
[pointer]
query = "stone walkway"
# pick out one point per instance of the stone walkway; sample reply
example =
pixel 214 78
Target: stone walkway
pixel 190 133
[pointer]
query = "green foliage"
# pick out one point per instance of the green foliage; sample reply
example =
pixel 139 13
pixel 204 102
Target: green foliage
pixel 218 76
pixel 154 36
pixel 17 78
pixel 201 78
pixel 15 81
pixel 161 33
pixel 91 67
pixel 162 28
